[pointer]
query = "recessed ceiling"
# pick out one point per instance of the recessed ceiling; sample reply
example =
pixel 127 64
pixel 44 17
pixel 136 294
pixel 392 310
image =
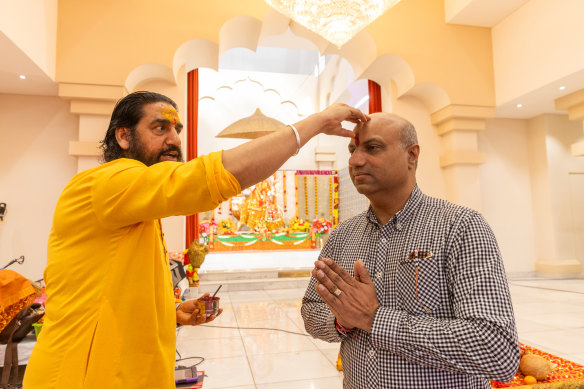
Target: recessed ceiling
pixel 15 63
pixel 480 13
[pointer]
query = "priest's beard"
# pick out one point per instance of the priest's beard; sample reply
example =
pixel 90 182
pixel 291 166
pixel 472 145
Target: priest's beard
pixel 137 151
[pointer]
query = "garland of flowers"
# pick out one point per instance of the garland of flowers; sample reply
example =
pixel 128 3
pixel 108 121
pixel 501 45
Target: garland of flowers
pixel 315 196
pixel 296 193
pixel 211 232
pixel 275 197
pixel 306 196
pixel 331 196
pixel 336 200
pixel 284 188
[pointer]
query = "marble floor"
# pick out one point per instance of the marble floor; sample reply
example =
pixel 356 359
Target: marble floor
pixel 259 341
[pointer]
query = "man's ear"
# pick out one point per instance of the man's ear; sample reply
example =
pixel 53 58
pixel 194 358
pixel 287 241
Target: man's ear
pixel 413 154
pixel 123 137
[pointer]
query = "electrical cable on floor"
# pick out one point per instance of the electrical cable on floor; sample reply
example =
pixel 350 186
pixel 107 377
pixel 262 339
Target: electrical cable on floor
pixel 544 288
pixel 180 358
pixel 256 328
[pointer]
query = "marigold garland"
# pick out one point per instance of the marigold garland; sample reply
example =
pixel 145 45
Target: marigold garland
pixel 315 196
pixel 306 196
pixel 284 188
pixel 331 197
pixel 336 200
pixel 296 194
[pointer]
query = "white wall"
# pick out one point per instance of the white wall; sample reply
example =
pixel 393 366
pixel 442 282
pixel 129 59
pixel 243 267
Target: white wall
pixel 236 95
pixel 564 184
pixel 506 191
pixel 34 168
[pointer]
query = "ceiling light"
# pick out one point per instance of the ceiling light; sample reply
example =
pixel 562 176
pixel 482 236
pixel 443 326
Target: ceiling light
pixel 22 77
pixel 337 21
pixel 562 87
pixel 519 105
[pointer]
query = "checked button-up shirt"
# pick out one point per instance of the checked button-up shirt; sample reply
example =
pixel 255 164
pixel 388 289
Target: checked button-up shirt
pixel 445 318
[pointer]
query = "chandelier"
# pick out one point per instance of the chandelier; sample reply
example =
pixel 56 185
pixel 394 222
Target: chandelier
pixel 337 21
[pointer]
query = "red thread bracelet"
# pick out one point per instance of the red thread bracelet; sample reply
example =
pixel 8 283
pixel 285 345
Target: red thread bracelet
pixel 342 330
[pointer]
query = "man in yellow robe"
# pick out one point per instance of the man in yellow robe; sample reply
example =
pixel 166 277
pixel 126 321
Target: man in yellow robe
pixel 110 311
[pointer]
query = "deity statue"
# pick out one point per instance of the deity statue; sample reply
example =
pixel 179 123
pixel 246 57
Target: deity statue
pixel 260 211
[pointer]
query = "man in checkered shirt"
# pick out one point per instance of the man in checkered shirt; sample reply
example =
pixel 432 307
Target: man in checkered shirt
pixel 414 288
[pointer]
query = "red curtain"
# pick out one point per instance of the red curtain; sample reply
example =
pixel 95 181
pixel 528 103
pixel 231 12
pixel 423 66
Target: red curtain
pixel 192 229
pixel 374 97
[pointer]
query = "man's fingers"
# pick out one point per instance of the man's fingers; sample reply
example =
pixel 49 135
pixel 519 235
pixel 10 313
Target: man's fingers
pixel 324 280
pixel 325 294
pixel 335 272
pixel 361 273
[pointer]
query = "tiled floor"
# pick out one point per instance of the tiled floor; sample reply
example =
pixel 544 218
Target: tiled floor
pixel 241 349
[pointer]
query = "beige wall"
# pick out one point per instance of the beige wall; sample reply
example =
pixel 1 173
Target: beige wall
pixel 534 47
pixel 557 209
pixel 34 167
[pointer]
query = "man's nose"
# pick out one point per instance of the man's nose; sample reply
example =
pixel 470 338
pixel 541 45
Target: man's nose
pixel 173 137
pixel 356 159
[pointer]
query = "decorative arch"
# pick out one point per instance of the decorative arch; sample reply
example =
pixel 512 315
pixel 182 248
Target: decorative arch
pixel 148 72
pixel 248 32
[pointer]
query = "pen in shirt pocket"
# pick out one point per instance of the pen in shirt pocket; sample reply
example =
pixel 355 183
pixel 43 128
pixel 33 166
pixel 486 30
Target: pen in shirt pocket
pixel 417 255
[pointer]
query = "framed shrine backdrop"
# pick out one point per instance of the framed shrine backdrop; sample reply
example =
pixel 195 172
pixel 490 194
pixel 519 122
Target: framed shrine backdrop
pixel 293 209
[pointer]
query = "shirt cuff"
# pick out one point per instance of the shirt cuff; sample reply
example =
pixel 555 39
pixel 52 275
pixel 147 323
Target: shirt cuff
pixel 384 333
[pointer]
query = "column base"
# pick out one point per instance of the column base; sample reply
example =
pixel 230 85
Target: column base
pixel 567 266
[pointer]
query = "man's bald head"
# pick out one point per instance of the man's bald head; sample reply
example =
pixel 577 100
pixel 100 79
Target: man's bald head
pixel 408 135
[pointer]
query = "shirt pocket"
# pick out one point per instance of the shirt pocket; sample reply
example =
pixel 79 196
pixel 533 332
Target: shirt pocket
pixel 419 285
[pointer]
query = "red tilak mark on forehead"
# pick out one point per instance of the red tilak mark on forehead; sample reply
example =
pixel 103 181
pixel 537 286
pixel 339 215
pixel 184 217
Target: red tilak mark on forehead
pixel 357 140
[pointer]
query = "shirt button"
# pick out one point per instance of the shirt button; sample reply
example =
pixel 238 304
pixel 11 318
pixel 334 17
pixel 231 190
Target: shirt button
pixel 379 274
pixel 384 240
pixel 371 353
pixel 398 226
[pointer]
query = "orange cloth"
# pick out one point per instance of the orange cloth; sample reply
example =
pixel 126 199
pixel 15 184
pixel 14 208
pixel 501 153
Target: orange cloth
pixel 13 288
pixel 16 292
pixel 566 374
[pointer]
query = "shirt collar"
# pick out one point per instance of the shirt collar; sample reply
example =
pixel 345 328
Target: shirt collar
pixel 402 215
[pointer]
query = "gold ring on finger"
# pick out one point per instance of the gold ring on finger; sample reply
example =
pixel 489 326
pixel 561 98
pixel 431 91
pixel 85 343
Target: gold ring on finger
pixel 337 292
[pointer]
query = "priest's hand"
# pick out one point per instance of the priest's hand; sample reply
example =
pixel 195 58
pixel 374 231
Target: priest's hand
pixel 188 313
pixel 352 300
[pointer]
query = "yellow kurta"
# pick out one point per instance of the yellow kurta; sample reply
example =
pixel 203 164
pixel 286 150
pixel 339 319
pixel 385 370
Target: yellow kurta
pixel 110 313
